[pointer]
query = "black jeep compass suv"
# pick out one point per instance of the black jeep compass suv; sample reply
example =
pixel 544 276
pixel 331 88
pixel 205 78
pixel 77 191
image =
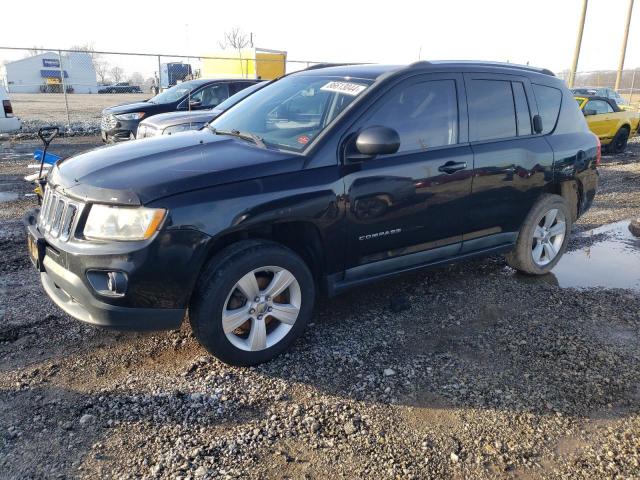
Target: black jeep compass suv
pixel 325 179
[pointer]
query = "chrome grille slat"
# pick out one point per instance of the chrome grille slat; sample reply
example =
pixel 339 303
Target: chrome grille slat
pixel 57 217
pixel 69 217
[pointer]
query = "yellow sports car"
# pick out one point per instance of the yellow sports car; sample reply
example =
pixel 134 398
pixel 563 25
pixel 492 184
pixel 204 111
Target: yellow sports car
pixel 611 124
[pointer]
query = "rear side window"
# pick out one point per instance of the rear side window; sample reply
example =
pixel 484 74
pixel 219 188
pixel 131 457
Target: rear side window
pixel 491 110
pixel 598 106
pixel 425 115
pixel 548 100
pixel 523 115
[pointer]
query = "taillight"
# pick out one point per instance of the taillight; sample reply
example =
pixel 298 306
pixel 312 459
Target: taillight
pixel 8 109
pixel 598 150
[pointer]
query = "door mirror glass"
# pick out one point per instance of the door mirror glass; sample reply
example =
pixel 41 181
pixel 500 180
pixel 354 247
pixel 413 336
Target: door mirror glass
pixel 377 141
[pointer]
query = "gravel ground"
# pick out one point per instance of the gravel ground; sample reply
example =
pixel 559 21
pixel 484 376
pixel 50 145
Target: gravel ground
pixel 467 371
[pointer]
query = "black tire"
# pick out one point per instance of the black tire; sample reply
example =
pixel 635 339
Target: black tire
pixel 620 140
pixel 217 282
pixel 521 258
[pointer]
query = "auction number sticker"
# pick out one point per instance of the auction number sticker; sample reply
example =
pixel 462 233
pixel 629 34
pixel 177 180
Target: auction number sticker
pixel 348 88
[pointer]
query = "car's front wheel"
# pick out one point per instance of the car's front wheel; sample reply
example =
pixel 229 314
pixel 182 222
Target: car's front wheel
pixel 543 236
pixel 252 301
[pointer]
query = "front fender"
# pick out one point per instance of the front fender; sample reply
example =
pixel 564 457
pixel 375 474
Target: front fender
pixel 312 195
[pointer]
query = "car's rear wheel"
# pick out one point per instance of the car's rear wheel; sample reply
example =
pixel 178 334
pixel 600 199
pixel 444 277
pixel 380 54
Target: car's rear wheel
pixel 543 237
pixel 252 301
pixel 620 140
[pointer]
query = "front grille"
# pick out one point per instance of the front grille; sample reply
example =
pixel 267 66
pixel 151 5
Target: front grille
pixel 58 214
pixel 108 122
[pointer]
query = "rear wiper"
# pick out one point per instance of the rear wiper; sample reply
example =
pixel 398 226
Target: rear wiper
pixel 252 137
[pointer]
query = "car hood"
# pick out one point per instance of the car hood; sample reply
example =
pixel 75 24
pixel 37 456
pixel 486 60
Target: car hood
pixel 140 172
pixel 164 120
pixel 128 107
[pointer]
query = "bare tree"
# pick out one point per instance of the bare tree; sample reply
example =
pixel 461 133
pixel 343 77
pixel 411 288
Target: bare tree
pixel 136 78
pixel 237 39
pixel 35 50
pixel 102 71
pixel 117 74
pixel 88 48
pixel 101 67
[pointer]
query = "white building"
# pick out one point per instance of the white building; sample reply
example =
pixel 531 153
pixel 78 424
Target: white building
pixel 43 73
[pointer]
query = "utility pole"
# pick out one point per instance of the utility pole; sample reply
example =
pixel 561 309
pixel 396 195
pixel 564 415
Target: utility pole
pixel 623 52
pixel 576 53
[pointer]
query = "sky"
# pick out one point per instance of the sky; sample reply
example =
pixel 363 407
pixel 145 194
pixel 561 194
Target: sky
pixel 541 32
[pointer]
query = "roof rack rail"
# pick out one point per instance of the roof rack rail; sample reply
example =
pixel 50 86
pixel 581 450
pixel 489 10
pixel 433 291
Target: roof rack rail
pixel 327 65
pixel 424 63
pixel 419 63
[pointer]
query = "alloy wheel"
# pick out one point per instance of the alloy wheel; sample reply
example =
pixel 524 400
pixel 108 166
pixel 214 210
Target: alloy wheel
pixel 261 308
pixel 548 237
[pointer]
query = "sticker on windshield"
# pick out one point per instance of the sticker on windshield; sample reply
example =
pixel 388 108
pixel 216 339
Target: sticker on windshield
pixel 348 88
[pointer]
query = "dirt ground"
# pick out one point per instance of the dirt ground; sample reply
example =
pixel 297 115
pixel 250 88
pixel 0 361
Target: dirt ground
pixel 39 109
pixel 466 371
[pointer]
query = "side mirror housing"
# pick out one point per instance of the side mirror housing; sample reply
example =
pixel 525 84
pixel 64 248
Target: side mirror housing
pixel 589 112
pixel 537 124
pixel 374 141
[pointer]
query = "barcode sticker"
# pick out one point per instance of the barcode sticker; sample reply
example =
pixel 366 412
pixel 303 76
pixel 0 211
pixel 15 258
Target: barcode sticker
pixel 348 88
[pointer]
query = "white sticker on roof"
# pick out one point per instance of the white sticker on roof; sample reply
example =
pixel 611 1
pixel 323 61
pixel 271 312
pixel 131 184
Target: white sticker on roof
pixel 348 88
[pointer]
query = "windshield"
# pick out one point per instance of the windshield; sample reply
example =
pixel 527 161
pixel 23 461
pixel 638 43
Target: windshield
pixel 174 93
pixel 291 112
pixel 233 99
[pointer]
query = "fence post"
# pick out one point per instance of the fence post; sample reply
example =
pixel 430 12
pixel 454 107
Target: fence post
pixel 64 88
pixel 633 84
pixel 159 74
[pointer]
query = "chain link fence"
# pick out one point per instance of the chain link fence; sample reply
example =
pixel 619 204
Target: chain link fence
pixel 629 82
pixel 70 88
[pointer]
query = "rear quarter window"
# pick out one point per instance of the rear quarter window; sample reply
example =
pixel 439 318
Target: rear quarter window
pixel 548 100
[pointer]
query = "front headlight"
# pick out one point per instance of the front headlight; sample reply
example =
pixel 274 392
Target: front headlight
pixel 130 116
pixel 122 223
pixel 183 127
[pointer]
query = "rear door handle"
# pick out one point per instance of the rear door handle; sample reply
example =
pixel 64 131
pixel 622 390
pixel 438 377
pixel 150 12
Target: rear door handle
pixel 452 167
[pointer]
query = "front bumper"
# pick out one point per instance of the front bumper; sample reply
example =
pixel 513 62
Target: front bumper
pixel 70 294
pixel 118 130
pixel 160 276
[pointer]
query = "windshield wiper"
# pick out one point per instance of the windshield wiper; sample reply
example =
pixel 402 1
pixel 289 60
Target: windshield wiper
pixel 252 137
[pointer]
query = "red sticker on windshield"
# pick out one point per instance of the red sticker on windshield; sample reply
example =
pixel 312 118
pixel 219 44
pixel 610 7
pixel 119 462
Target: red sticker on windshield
pixel 303 139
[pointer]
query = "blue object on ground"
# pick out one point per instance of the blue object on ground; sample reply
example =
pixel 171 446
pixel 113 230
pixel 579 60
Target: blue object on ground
pixel 50 158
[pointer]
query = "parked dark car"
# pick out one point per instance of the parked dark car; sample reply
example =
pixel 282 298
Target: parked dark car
pixel 120 123
pixel 121 87
pixel 323 180
pixel 175 122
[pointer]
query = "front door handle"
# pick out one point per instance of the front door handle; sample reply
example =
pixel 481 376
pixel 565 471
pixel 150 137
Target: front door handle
pixel 452 167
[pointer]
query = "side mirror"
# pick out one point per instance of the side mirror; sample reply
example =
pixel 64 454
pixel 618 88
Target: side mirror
pixel 194 103
pixel 374 141
pixel 589 112
pixel 537 124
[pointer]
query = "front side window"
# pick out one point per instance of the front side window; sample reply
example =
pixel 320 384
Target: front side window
pixel 598 106
pixel 210 96
pixel 491 110
pixel 174 93
pixel 548 100
pixel 290 113
pixel 425 115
